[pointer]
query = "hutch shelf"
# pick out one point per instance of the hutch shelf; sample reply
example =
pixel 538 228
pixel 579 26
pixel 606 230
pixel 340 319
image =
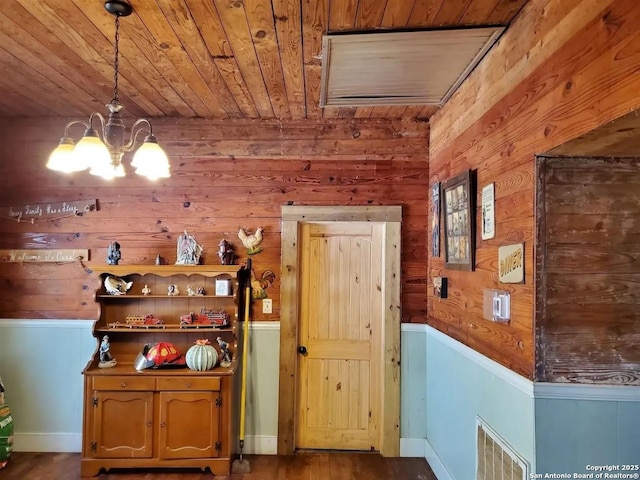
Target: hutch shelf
pixel 160 417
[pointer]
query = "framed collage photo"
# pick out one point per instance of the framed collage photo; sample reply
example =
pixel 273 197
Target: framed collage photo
pixel 459 221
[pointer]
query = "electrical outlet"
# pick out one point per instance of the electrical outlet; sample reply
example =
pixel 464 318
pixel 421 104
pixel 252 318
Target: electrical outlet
pixel 267 305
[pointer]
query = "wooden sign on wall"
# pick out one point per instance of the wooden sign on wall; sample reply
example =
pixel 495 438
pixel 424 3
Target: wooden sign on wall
pixel 50 210
pixel 511 263
pixel 38 256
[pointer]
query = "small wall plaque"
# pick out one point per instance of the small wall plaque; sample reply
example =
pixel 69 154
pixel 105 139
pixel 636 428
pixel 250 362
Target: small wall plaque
pixel 38 256
pixel 511 263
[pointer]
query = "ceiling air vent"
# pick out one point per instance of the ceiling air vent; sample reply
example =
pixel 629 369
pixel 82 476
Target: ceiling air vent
pixel 400 68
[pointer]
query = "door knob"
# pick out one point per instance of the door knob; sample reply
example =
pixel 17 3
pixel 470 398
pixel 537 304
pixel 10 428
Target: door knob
pixel 302 350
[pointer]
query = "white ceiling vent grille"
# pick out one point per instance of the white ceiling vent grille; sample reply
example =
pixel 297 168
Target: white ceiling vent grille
pixel 400 68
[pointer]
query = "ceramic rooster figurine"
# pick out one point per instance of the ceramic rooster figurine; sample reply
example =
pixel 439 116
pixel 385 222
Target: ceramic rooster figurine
pixel 251 241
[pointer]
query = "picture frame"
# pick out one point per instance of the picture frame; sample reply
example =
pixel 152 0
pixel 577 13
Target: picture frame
pixel 435 221
pixel 459 198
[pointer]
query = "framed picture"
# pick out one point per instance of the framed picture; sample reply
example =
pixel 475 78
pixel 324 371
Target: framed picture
pixel 459 221
pixel 435 222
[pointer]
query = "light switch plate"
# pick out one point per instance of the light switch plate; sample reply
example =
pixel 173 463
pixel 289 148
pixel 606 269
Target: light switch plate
pixel 267 305
pixel 497 306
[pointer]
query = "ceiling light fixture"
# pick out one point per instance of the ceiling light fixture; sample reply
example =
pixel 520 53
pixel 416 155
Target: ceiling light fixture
pixel 101 152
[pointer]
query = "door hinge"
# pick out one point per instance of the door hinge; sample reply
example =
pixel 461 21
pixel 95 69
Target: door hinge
pixel 219 402
pixel 95 401
pixel 218 446
pixel 94 447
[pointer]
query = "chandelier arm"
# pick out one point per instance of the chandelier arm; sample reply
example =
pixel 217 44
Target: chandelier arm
pixel 102 123
pixel 71 124
pixel 135 130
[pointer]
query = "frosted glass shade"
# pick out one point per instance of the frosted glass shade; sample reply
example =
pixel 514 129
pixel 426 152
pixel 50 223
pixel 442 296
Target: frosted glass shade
pixel 92 152
pixel 150 160
pixel 108 171
pixel 62 159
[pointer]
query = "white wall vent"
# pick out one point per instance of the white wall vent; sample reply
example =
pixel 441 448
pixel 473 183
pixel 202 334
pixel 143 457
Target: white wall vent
pixel 400 68
pixel 495 458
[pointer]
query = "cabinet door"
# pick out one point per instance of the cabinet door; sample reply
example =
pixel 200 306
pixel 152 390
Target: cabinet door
pixel 189 424
pixel 123 424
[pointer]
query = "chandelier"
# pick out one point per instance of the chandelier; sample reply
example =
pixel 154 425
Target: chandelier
pixel 101 150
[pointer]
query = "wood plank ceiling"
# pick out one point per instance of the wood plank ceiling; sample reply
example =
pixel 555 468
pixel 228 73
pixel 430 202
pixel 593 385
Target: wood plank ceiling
pixel 202 58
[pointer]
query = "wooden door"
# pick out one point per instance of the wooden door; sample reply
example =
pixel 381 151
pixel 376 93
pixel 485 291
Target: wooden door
pixel 189 424
pixel 340 326
pixel 123 424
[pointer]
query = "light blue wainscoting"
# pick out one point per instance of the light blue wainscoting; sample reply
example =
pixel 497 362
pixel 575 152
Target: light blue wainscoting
pixel 41 363
pixel 582 425
pixel 262 388
pixel 413 390
pixel 462 384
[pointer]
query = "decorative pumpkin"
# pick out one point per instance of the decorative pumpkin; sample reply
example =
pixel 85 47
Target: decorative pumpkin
pixel 202 356
pixel 6 429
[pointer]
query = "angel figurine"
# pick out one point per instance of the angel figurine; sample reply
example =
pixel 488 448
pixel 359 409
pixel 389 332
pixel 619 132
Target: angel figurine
pixel 189 251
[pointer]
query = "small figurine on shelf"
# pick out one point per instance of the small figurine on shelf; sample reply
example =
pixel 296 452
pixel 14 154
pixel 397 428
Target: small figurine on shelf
pixel 113 253
pixel 226 354
pixel 146 290
pixel 116 285
pixel 106 360
pixel 201 291
pixel 190 291
pixel 226 253
pixel 189 251
pixel 173 290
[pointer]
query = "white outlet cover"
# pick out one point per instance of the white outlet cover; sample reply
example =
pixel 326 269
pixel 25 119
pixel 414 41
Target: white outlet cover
pixel 267 305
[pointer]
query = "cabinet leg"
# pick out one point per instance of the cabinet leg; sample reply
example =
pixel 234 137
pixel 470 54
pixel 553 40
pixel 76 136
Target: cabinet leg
pixel 89 469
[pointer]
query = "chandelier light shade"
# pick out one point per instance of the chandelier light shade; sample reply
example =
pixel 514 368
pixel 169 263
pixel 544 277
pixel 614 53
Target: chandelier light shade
pixel 101 151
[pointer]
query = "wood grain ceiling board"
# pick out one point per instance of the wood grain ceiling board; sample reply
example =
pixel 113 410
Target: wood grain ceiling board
pixel 202 58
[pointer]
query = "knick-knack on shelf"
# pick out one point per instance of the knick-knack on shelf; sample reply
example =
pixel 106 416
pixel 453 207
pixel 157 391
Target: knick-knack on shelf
pixel 225 361
pixel 146 290
pixel 189 251
pixel 172 290
pixel 113 253
pixel 106 359
pixel 226 253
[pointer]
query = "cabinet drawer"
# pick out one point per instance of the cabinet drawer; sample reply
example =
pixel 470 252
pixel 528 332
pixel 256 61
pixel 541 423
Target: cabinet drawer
pixel 188 383
pixel 123 383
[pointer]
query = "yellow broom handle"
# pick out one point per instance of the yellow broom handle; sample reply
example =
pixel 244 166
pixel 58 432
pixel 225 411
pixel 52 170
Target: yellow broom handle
pixel 245 350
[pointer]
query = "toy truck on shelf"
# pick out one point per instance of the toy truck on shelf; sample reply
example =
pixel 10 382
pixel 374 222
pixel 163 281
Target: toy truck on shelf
pixel 139 321
pixel 206 318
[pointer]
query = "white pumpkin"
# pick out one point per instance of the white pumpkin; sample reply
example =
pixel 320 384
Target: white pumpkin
pixel 201 356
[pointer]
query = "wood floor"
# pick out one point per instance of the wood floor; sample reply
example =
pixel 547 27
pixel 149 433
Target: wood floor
pixel 307 466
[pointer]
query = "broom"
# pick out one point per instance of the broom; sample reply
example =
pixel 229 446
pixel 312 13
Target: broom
pixel 241 465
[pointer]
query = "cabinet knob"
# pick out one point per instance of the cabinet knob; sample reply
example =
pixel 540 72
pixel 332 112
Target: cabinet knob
pixel 123 384
pixel 188 385
pixel 149 424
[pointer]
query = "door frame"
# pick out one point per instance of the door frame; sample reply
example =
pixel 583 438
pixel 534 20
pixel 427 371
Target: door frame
pixel 292 218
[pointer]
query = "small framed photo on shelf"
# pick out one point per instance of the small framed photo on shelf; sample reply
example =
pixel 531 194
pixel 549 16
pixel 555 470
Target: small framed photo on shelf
pixel 459 221
pixel 223 287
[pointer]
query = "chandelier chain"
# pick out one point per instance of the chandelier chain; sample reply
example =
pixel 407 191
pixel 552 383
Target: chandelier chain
pixel 116 62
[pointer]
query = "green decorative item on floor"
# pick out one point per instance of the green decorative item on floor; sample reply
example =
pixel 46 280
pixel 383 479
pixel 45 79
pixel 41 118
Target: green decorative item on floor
pixel 202 356
pixel 6 429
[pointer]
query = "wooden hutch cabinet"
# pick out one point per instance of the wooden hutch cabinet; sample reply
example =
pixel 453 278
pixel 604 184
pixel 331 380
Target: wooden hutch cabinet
pixel 161 417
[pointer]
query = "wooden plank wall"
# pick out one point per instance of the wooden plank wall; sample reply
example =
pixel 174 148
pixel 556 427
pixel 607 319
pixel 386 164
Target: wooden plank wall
pixel 225 175
pixel 590 240
pixel 561 70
